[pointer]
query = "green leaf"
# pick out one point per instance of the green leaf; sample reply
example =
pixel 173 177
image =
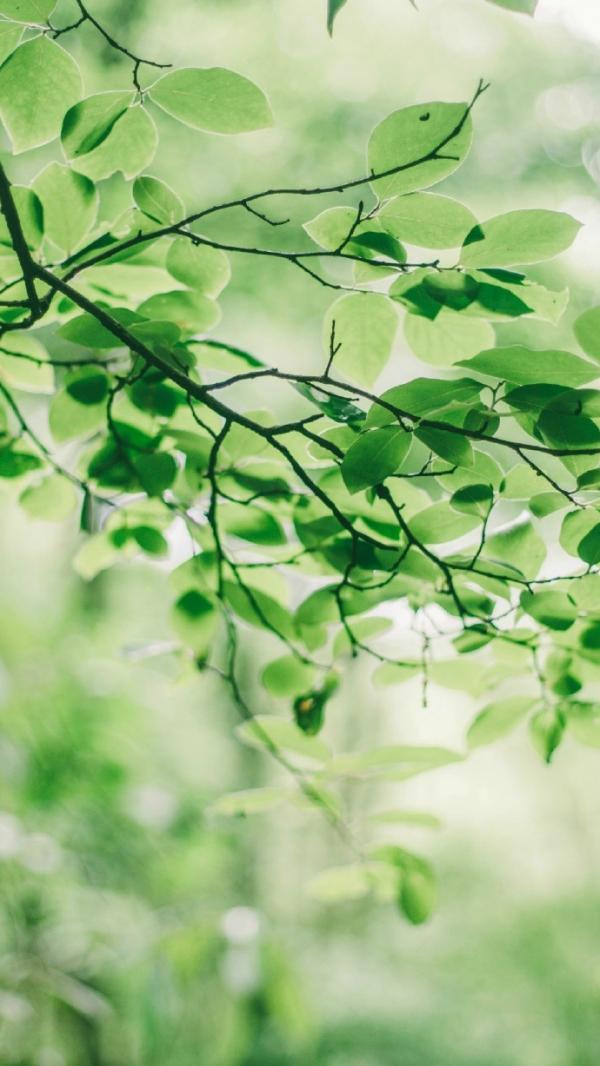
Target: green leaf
pixel 32 107
pixel 50 500
pixel 472 638
pixel 335 407
pixel 452 447
pixel 423 396
pixel 156 471
pixel 536 398
pixel 553 609
pixel 212 99
pixel 395 673
pixel 30 214
pixel 88 123
pixel 162 336
pixel 586 592
pixel 198 266
pixel 111 468
pixel 497 720
pixel 70 420
pixel 263 477
pixel 89 333
pixel 589 640
pixel 89 386
pixel 406 142
pixel 374 456
pixel 217 355
pixel 69 202
pixel 473 499
pixel 427 220
pixel 542 302
pixel 546 503
pixel 546 730
pixel 251 523
pixel 519 546
pixel 24 363
pixel 105 134
pixel 333 6
pixel 393 761
pixel 483 470
pixel 418 893
pixel 561 430
pixel 331 227
pixel 587 331
pixel 450 288
pixel 79 409
pixel 363 629
pixel 15 462
pixel 268 731
pixel 287 676
pixel 96 554
pixel 440 523
pixel 193 312
pixel 260 609
pixel 34 11
pixel 247 802
pixel 575 528
pixel 365 329
pixel 10 35
pixel 157 200
pixel 339 884
pixel 309 711
pixel 523 7
pixel 151 541
pixel 152 393
pixel 194 619
pixel 414 877
pixel 588 548
pixel 379 243
pixel 446 339
pixel 519 237
pixel 525 366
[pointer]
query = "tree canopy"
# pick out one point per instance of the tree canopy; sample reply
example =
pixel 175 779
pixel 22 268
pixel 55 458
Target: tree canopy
pixel 445 525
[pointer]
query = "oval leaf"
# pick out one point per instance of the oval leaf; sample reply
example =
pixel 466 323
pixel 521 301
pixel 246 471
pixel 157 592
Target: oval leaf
pixel 212 99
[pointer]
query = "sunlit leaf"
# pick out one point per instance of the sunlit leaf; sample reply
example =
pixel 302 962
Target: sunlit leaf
pixel 50 500
pixel 374 456
pixel 524 365
pixel 24 363
pixel 104 134
pixel 198 266
pixel 69 202
pixel 427 220
pixel 212 99
pixel 498 719
pixel 32 107
pixel 365 328
pixel 445 339
pixel 519 237
pixel 406 147
pixel 267 731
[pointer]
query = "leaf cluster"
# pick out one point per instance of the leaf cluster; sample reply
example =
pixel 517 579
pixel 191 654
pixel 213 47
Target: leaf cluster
pixel 450 492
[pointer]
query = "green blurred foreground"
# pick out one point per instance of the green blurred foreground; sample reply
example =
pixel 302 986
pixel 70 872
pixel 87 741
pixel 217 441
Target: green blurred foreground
pixel 138 928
